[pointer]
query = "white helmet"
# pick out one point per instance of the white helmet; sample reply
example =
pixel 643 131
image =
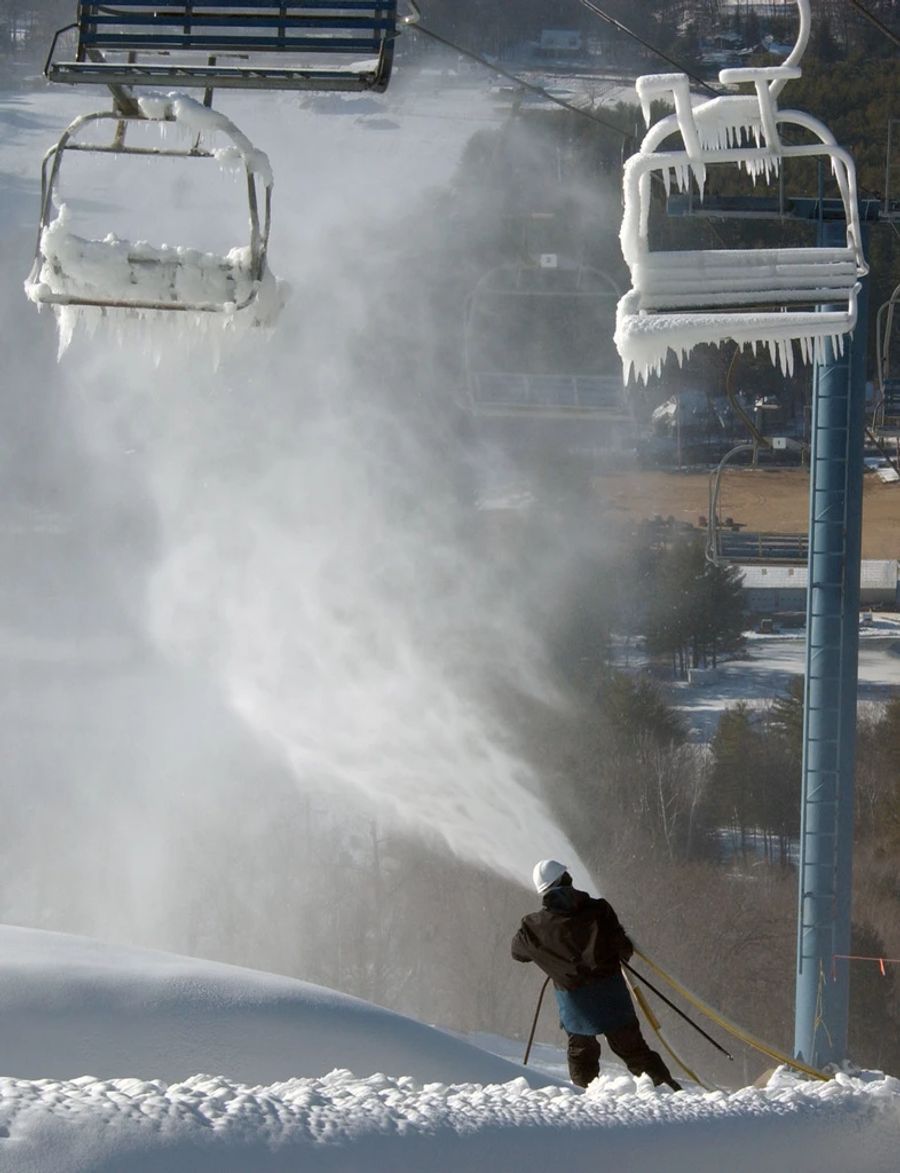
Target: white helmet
pixel 547 873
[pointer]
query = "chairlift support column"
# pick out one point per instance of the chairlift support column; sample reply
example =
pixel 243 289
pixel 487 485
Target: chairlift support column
pixel 832 650
pixel 681 299
pixel 830 704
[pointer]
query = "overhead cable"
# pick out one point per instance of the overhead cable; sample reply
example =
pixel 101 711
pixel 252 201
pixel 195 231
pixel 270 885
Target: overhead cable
pixel 617 24
pixel 532 87
pixel 873 19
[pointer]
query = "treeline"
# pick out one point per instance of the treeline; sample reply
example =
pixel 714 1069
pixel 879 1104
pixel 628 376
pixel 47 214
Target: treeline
pixel 498 26
pixel 698 845
pixel 674 27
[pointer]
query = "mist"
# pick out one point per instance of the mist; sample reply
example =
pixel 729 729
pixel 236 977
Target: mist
pixel 259 630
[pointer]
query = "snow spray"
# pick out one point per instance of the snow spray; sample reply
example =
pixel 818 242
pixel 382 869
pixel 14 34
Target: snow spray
pixel 312 556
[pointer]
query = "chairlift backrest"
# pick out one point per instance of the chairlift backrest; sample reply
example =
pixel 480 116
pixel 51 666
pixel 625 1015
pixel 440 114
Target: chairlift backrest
pixel 115 39
pixel 774 297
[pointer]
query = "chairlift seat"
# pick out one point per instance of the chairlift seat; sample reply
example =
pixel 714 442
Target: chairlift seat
pixel 523 393
pixel 776 297
pixel 684 298
pixel 704 278
pixel 114 40
pixel 146 278
pixel 70 270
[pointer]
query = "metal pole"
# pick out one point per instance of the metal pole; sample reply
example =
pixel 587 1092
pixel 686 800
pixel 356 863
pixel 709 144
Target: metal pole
pixel 829 712
pixel 534 1022
pixel 712 530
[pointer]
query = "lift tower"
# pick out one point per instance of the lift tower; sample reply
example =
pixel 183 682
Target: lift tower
pixel 804 299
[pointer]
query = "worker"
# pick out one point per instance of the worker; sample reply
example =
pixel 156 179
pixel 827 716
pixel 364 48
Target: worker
pixel 578 942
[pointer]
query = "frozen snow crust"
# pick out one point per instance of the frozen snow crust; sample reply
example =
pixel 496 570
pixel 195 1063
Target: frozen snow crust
pixel 392 1123
pixel 314 1080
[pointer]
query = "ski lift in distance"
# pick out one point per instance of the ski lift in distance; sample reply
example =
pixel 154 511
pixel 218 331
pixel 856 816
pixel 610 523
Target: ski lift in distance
pixel 680 299
pixel 507 372
pixel 229 44
pixel 887 377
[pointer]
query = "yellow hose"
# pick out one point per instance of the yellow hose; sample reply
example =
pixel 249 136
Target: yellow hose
pixel 737 1031
pixel 639 997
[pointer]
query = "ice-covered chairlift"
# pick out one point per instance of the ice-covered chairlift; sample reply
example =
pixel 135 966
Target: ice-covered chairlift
pixel 773 297
pixel 247 44
pixel 69 270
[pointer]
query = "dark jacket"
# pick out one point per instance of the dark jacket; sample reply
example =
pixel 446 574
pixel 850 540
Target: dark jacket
pixel 575 939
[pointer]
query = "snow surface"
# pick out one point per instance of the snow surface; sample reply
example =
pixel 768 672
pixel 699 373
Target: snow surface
pixel 71 1004
pixel 310 1079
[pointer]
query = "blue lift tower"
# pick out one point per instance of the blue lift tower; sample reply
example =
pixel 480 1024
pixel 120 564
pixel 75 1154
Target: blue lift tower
pixel 811 300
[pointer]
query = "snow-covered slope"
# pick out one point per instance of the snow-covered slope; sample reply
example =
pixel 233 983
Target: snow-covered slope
pixel 310 1080
pixel 71 1006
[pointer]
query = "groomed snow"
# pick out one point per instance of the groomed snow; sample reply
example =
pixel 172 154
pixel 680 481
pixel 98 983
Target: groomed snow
pixel 71 1005
pixel 393 1124
pixel 387 1094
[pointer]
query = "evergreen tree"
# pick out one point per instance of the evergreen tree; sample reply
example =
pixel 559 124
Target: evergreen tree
pixel 695 610
pixel 720 611
pixel 786 720
pixel 736 754
pixel 632 710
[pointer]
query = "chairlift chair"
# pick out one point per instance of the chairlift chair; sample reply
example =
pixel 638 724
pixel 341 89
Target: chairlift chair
pixel 887 374
pixel 772 297
pixel 115 274
pixel 278 46
pixel 247 44
pixel 501 379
